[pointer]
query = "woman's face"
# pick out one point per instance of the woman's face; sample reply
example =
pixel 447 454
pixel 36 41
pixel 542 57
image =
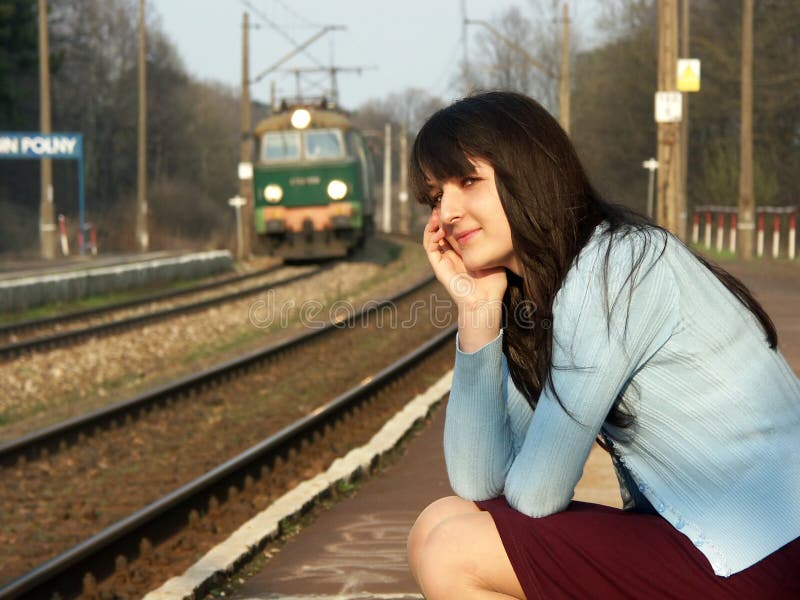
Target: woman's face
pixel 474 221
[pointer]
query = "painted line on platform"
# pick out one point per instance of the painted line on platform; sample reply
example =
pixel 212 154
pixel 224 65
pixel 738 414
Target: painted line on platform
pixel 227 557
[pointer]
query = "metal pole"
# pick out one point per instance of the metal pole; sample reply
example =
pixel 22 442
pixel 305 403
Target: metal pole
pixel 47 225
pixel 403 195
pixel 563 93
pixel 334 87
pixel 746 199
pixel 668 133
pixel 684 139
pixel 239 232
pixel 387 178
pixel 142 235
pixel 651 165
pixel 246 141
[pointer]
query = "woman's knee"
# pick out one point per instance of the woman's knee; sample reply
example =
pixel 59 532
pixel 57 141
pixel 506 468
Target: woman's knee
pixel 444 566
pixel 434 514
pixel 462 555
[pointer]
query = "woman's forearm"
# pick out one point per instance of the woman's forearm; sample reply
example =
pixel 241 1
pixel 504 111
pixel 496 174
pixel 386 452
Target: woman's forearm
pixel 478 325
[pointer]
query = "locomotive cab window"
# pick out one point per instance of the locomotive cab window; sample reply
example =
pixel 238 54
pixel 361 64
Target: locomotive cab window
pixel 280 146
pixel 324 143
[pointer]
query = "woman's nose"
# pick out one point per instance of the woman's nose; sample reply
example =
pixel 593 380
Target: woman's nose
pixel 450 207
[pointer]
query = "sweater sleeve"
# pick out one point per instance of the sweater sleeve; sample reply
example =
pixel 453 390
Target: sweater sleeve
pixel 478 441
pixel 594 358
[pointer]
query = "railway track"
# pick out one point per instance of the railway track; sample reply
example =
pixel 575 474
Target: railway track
pixel 65 338
pixel 101 554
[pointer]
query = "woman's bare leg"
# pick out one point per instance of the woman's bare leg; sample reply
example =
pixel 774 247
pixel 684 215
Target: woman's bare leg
pixel 455 551
pixel 434 513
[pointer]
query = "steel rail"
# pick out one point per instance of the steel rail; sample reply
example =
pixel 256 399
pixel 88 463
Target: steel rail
pixel 66 337
pixel 76 315
pixel 70 430
pixel 40 580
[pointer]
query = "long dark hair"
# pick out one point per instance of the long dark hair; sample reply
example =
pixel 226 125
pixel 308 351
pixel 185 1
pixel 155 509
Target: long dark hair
pixel 552 210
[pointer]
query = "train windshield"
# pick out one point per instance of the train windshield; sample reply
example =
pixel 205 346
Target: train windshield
pixel 324 143
pixel 281 145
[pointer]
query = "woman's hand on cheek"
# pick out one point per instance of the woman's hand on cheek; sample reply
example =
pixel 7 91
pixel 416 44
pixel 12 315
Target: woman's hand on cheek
pixel 468 289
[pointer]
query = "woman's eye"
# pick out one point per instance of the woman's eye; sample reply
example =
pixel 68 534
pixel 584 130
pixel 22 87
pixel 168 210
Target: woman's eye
pixel 468 181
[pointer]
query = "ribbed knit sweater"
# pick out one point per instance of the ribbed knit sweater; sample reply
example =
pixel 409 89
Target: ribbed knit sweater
pixel 715 444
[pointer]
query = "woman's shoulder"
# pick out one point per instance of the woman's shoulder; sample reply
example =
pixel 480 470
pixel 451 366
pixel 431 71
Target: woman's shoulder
pixel 624 249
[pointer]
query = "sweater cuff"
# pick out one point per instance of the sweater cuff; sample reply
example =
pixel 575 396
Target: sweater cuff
pixel 474 370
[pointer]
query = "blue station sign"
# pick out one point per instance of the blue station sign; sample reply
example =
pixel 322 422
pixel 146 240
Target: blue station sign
pixel 41 145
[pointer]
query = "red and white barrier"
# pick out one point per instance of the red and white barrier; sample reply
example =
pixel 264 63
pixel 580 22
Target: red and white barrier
pixel 720 230
pixel 784 219
pixel 776 236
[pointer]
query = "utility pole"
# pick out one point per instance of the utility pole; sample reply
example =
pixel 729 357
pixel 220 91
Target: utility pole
pixel 746 223
pixel 682 197
pixel 47 225
pixel 403 195
pixel 387 179
pixel 668 133
pixel 246 145
pixel 563 93
pixel 142 237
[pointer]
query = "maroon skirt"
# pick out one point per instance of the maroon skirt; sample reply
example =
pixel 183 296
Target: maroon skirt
pixel 593 551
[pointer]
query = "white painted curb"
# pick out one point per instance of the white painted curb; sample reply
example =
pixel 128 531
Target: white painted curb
pixel 242 544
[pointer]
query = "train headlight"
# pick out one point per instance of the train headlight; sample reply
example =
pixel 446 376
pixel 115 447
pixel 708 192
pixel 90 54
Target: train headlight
pixel 273 193
pixel 301 118
pixel 337 189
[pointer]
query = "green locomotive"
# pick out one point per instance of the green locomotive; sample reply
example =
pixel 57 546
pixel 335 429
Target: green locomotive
pixel 314 184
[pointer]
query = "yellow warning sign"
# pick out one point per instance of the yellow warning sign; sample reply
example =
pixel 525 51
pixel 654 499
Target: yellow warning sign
pixel 688 75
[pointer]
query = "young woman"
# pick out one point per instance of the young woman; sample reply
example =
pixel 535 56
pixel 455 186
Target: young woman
pixel 581 321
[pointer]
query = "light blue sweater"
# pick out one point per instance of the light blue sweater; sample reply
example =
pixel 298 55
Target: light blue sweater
pixel 715 446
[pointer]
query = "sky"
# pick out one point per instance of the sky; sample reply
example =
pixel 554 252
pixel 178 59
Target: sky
pixel 404 43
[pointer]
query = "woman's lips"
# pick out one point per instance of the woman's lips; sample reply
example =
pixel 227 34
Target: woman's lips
pixel 463 238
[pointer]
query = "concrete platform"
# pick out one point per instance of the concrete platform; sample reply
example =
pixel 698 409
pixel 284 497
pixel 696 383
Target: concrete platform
pixel 35 285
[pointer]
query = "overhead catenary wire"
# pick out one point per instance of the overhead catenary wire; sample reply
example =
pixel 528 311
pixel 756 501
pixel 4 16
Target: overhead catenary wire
pixel 300 17
pixel 278 29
